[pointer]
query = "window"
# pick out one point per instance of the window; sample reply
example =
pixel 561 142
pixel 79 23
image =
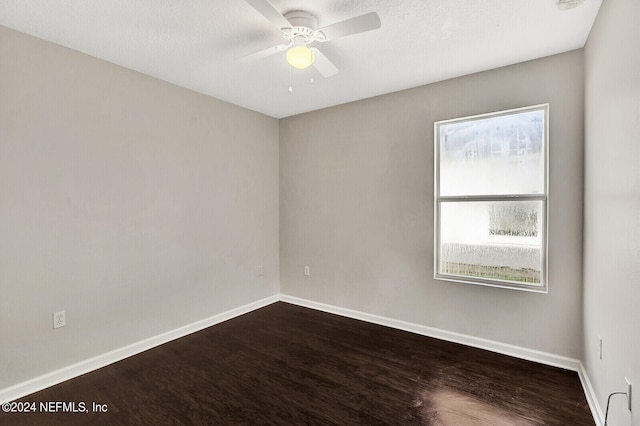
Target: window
pixel 491 199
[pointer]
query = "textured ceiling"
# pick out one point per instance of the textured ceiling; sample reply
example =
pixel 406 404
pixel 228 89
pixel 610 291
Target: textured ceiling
pixel 197 44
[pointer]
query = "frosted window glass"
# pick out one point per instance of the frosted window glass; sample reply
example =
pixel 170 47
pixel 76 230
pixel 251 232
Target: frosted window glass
pixel 497 155
pixel 495 240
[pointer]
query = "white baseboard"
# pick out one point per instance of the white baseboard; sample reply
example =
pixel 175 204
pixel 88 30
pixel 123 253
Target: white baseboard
pixel 58 376
pixel 476 342
pixel 590 394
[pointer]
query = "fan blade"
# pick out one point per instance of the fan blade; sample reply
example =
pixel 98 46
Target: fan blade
pixel 264 53
pixel 367 22
pixel 268 11
pixel 323 64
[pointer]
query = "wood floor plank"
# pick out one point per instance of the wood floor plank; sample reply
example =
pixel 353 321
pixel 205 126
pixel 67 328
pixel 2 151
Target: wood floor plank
pixel 289 365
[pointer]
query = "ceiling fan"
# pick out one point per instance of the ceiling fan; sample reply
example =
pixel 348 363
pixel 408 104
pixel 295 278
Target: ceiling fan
pixel 300 30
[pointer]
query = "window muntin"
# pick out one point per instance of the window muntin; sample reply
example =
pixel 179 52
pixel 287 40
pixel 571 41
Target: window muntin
pixel 491 198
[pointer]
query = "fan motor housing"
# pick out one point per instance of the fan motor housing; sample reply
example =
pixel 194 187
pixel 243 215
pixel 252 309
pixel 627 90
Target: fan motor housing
pixel 303 24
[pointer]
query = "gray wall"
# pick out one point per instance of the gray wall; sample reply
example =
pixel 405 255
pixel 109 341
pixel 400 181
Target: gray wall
pixel 356 205
pixel 612 205
pixel 134 205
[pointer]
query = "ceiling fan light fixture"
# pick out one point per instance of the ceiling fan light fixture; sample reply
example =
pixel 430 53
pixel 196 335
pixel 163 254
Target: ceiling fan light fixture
pixel 300 57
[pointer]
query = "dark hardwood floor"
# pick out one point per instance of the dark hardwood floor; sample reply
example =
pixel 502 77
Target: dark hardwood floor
pixel 288 365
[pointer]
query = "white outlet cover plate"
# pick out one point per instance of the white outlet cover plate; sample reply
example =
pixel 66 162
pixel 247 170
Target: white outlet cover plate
pixel 59 319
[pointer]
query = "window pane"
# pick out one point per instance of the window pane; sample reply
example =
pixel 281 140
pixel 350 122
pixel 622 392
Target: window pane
pixel 495 155
pixel 494 240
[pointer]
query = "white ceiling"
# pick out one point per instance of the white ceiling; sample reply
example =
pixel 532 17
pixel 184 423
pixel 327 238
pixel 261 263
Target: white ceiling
pixel 197 43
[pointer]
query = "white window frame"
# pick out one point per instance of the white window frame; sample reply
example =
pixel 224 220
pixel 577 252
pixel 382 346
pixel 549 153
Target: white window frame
pixel 542 287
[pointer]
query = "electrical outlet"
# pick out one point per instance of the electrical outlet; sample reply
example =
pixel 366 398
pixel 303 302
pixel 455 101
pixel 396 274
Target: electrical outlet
pixel 59 319
pixel 307 271
pixel 628 393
